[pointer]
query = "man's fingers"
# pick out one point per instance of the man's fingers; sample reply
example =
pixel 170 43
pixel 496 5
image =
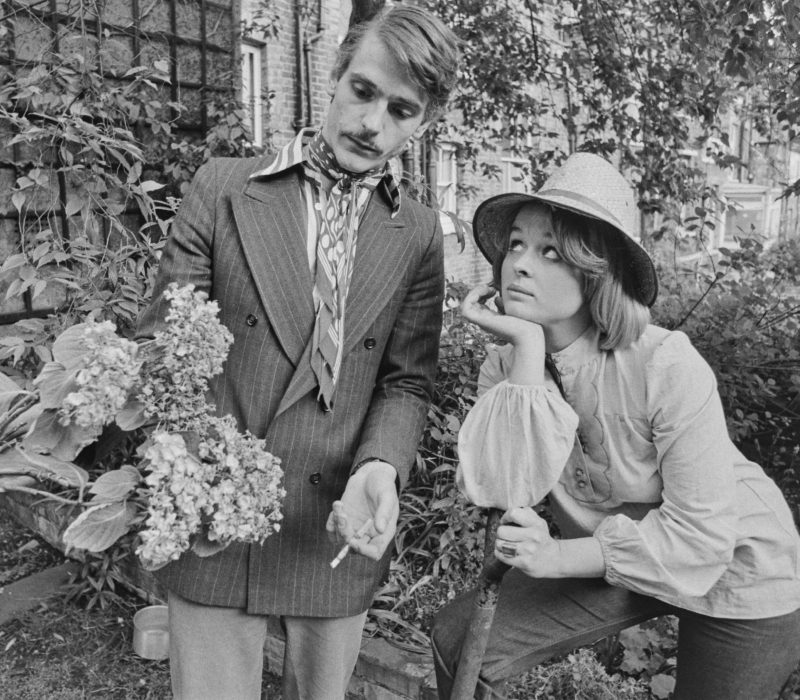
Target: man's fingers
pixel 372 548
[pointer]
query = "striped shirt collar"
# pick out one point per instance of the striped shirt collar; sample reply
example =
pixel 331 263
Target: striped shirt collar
pixel 293 153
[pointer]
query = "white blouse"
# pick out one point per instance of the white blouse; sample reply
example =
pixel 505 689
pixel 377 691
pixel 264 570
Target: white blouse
pixel 639 457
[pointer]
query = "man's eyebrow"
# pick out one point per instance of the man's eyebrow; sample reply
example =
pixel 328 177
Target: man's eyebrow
pixel 410 103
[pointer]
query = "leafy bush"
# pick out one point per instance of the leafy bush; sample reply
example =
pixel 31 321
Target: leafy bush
pixel 743 316
pixel 100 160
pixel 577 677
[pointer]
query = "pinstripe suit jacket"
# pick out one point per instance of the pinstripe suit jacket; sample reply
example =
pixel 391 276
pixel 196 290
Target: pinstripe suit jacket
pixel 243 241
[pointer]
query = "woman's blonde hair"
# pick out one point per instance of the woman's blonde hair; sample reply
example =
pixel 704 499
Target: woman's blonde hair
pixel 595 248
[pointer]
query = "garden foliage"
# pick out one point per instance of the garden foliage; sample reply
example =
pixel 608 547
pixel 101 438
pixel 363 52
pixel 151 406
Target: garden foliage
pixel 104 166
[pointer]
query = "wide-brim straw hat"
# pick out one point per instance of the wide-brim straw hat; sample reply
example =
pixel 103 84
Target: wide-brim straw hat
pixel 585 184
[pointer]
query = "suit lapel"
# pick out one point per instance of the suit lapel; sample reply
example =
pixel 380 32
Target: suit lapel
pixel 269 217
pixel 381 259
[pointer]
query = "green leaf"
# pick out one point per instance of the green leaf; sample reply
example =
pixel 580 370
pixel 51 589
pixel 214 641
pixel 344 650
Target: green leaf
pixel 131 415
pixel 43 468
pixel 18 199
pixel 150 186
pixel 13 261
pixel 74 205
pixel 62 442
pixel 10 399
pixel 70 347
pixel 204 547
pixel 662 685
pixel 8 384
pixel 115 485
pixel 98 527
pixel 55 383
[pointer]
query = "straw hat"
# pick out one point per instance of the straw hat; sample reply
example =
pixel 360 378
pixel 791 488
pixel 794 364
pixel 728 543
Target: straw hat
pixel 585 184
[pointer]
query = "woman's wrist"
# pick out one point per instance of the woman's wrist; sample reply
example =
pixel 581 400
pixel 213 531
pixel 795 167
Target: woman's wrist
pixel 528 362
pixel 580 558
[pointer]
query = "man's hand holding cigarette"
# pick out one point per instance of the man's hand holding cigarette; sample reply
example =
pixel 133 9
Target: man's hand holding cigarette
pixel 365 518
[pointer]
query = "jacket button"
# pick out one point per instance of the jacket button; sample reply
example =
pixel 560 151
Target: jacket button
pixel 370 343
pixel 315 478
pixel 251 320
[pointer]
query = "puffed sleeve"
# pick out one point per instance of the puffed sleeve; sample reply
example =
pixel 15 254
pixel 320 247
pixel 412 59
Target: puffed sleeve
pixel 514 442
pixel 684 546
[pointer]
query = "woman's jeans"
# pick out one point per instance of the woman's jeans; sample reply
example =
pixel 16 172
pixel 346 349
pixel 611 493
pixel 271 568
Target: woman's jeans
pixel 536 619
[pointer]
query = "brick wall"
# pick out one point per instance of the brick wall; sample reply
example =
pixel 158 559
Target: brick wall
pixel 281 71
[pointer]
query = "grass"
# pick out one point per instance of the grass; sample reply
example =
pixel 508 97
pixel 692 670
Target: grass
pixel 61 651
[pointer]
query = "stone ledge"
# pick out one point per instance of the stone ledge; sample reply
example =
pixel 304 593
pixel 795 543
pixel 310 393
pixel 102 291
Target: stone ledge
pixel 28 593
pixel 383 671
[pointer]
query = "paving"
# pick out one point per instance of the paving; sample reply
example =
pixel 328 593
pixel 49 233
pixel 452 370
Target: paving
pixel 30 592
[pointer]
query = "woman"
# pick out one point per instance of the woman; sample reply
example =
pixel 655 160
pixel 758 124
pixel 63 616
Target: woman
pixel 659 512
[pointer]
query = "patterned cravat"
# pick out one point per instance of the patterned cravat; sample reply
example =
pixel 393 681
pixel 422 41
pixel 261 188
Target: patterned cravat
pixel 336 247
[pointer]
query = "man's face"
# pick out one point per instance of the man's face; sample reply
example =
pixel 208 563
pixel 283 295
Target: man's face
pixel 375 108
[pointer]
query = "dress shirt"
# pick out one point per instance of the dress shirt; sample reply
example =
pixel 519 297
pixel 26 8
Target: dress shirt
pixel 652 474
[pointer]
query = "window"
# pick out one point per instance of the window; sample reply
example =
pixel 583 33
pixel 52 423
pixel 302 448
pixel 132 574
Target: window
pixel 514 179
pixel 251 89
pixel 446 178
pixel 446 181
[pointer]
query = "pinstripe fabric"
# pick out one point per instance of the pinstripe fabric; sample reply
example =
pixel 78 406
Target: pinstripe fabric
pixel 243 241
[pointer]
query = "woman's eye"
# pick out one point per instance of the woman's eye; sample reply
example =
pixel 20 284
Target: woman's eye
pixel 514 244
pixel 551 253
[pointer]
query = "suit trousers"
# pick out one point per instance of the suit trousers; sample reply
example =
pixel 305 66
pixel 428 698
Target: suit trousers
pixel 217 653
pixel 536 619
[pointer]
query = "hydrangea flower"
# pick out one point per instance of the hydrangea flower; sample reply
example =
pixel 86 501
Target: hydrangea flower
pixel 111 369
pixel 232 492
pixel 226 487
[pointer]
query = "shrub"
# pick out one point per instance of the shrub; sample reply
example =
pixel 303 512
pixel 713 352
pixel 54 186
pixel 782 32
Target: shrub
pixel 743 317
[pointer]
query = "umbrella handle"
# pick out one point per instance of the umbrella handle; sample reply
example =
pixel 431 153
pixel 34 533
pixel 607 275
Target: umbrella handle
pixel 477 636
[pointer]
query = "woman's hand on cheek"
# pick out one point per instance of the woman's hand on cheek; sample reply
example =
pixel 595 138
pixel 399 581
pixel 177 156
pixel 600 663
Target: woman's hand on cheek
pixel 509 328
pixel 536 553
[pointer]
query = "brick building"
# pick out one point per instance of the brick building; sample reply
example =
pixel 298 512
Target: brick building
pixel 283 50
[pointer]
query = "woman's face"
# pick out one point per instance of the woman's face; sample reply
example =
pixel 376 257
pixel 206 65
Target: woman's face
pixel 538 285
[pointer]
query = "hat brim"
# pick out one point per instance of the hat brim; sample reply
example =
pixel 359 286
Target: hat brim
pixel 495 216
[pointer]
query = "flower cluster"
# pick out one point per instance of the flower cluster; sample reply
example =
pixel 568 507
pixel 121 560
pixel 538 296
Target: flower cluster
pixel 109 373
pixel 192 350
pixel 176 498
pixel 224 486
pixel 230 492
pixel 246 492
pixel 207 484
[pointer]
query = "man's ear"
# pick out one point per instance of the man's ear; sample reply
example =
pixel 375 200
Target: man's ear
pixel 332 81
pixel 422 128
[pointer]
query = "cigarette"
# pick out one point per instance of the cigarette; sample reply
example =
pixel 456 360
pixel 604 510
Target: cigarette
pixel 344 550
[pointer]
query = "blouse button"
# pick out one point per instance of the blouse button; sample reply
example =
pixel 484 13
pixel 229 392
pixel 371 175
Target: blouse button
pixel 579 473
pixel 582 484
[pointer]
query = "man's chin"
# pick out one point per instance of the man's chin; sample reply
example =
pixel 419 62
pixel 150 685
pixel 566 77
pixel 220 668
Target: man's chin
pixel 356 162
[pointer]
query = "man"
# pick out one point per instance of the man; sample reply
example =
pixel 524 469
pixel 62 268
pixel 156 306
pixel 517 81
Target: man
pixel 331 281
